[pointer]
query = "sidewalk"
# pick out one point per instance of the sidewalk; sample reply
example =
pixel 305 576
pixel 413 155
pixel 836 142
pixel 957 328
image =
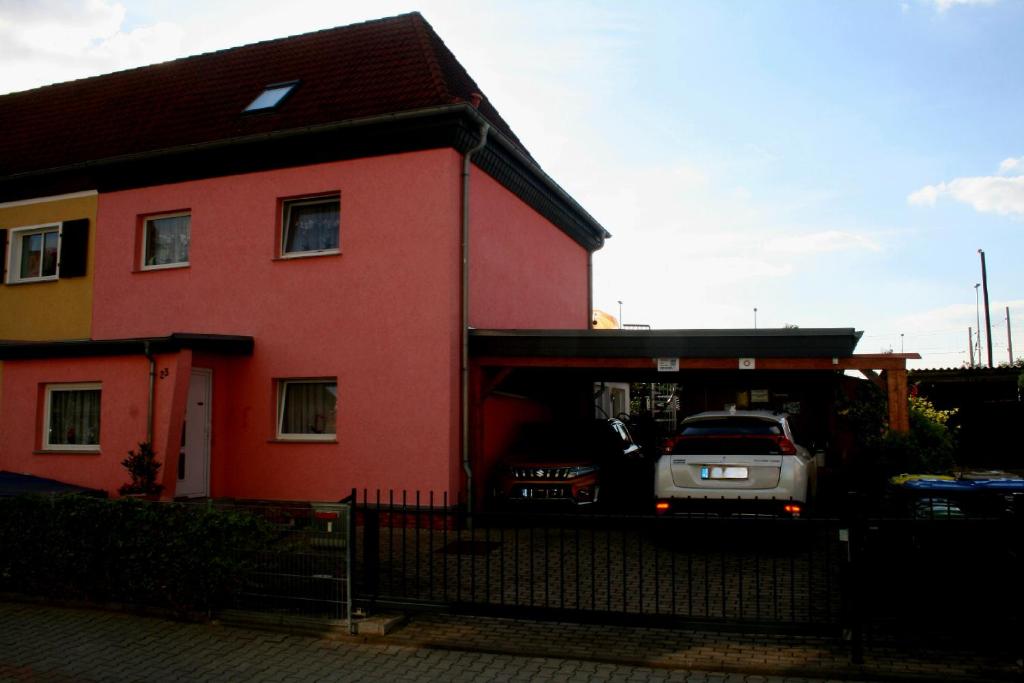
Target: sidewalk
pixel 767 655
pixel 58 644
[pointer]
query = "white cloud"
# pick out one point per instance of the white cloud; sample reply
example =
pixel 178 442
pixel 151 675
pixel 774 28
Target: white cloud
pixel 1012 165
pixel 987 194
pixel 1000 194
pixel 823 242
pixel 945 5
pixel 57 40
pixel 927 195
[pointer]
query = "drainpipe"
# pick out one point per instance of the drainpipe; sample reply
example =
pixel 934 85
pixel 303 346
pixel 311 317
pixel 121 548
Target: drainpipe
pixel 152 387
pixel 466 465
pixel 590 290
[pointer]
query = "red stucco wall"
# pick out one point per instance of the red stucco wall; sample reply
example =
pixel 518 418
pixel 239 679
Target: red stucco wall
pixel 525 272
pixel 123 406
pixel 381 317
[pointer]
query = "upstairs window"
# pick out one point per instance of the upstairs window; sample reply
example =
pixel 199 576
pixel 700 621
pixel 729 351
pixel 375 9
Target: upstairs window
pixel 165 240
pixel 34 253
pixel 310 226
pixel 41 253
pixel 272 96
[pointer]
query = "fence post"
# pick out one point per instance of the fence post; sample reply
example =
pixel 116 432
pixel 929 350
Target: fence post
pixel 852 533
pixel 371 549
pixel 350 541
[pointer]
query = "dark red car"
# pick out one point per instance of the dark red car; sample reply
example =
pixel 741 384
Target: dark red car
pixel 567 463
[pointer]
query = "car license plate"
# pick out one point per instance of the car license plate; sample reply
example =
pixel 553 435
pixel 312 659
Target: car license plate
pixel 723 472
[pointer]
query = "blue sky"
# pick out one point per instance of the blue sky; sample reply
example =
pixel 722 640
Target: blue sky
pixel 830 163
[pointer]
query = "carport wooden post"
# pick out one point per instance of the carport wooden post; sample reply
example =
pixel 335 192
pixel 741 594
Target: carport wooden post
pixel 899 410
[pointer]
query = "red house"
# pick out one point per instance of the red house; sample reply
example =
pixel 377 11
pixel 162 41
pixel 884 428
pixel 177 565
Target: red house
pixel 291 240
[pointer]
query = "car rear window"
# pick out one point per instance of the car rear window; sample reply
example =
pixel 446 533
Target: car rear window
pixel 731 426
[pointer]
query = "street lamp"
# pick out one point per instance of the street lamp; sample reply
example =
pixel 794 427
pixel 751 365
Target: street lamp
pixel 755 317
pixel 620 314
pixel 977 316
pixel 901 342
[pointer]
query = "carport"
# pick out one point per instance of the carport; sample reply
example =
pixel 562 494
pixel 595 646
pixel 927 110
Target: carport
pixel 560 365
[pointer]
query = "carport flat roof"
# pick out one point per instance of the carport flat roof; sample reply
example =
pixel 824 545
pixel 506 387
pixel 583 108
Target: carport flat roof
pixel 838 342
pixel 743 349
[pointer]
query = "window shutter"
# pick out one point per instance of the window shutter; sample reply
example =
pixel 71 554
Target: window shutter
pixel 74 247
pixel 3 253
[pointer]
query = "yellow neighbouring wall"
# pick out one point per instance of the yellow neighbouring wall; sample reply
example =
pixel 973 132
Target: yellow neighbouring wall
pixel 55 309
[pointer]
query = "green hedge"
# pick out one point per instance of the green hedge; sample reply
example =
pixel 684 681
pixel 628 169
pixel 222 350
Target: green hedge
pixel 183 557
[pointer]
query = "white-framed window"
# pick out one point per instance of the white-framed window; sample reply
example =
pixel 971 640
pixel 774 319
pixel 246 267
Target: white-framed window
pixel 307 409
pixel 34 253
pixel 72 417
pixel 165 240
pixel 310 226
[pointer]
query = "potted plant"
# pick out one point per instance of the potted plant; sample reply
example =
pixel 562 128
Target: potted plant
pixel 142 467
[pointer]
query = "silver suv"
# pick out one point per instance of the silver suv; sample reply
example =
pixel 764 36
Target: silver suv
pixel 744 459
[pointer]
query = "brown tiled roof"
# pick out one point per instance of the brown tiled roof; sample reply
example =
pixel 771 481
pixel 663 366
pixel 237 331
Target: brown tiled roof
pixel 351 72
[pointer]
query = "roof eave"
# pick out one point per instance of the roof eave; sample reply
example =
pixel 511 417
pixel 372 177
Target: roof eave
pixel 230 345
pixel 456 126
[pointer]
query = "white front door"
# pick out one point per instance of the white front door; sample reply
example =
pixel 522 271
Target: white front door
pixel 194 458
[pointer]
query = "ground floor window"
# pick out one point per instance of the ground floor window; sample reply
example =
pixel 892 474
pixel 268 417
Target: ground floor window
pixel 72 419
pixel 307 409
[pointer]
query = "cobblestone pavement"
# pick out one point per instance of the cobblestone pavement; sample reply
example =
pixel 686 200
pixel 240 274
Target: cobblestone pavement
pixel 57 644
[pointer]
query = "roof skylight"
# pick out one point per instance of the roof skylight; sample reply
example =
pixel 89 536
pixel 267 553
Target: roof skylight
pixel 271 96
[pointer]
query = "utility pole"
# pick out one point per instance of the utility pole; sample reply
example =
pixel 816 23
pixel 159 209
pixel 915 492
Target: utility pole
pixel 988 320
pixel 977 321
pixel 1009 337
pixel 970 345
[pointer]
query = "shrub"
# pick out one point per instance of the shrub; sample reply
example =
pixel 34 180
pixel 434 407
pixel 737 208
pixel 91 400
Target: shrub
pixel 181 557
pixel 142 468
pixel 928 447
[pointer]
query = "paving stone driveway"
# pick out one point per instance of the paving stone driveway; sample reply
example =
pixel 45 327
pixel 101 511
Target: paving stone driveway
pixel 54 644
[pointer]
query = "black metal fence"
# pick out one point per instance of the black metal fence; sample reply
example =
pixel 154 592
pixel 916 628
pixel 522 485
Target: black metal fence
pixel 868 575
pixel 417 551
pixel 939 575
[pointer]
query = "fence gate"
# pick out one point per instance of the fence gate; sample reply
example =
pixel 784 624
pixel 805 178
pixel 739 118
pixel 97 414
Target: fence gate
pixel 306 568
pixel 780 573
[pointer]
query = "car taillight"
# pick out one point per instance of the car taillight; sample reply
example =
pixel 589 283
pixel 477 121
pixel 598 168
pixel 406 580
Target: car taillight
pixel 661 507
pixel 786 447
pixel 793 509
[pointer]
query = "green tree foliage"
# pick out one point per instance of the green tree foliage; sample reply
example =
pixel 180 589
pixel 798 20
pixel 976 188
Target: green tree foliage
pixel 929 446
